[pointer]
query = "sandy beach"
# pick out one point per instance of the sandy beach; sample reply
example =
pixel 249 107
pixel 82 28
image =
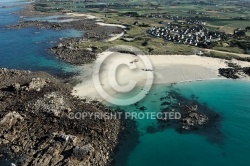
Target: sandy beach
pixel 113 25
pixel 115 37
pixel 88 16
pixel 99 22
pixel 167 69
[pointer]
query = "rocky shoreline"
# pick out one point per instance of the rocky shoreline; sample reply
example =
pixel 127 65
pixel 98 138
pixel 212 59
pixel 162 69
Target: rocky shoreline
pixel 36 128
pixel 92 31
pixel 235 71
pixel 34 107
pixel 67 49
pixel 29 11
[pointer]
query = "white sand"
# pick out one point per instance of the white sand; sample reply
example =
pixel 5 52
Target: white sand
pixel 166 69
pixel 113 25
pixel 115 36
pixel 81 15
pixel 88 16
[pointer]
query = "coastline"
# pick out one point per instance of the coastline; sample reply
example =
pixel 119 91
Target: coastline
pixel 68 49
pixel 42 104
pixel 182 69
pixel 50 139
pixel 167 69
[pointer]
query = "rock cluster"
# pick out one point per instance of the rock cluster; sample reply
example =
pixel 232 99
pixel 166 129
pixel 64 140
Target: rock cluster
pixel 193 117
pixel 234 71
pixel 52 103
pixel 229 73
pixel 68 51
pixel 10 119
pixel 246 70
pixel 35 127
pixel 35 84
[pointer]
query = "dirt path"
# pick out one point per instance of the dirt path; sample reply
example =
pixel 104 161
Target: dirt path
pixel 229 53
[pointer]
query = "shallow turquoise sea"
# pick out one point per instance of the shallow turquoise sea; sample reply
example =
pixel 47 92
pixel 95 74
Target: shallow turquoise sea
pixel 26 49
pixel 229 98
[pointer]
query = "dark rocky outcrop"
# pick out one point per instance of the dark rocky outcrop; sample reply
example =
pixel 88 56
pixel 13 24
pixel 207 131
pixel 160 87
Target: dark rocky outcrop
pixel 192 117
pixel 229 73
pixel 92 31
pixel 234 71
pixel 246 70
pixel 35 128
pixel 195 117
pixel 69 51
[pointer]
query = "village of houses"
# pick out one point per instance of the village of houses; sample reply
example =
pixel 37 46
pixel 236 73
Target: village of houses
pixel 184 33
pixel 182 30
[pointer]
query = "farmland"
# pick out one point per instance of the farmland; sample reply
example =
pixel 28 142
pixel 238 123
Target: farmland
pixel 225 16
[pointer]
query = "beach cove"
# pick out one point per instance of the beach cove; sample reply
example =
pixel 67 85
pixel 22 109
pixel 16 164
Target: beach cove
pixel 196 78
pixel 167 69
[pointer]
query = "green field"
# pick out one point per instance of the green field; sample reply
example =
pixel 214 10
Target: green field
pixel 220 16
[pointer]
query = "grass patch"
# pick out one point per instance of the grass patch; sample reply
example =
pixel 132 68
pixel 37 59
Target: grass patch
pixel 230 49
pixel 222 55
pixel 152 46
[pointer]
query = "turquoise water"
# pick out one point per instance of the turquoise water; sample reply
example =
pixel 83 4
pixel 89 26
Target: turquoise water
pixel 27 48
pixel 168 147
